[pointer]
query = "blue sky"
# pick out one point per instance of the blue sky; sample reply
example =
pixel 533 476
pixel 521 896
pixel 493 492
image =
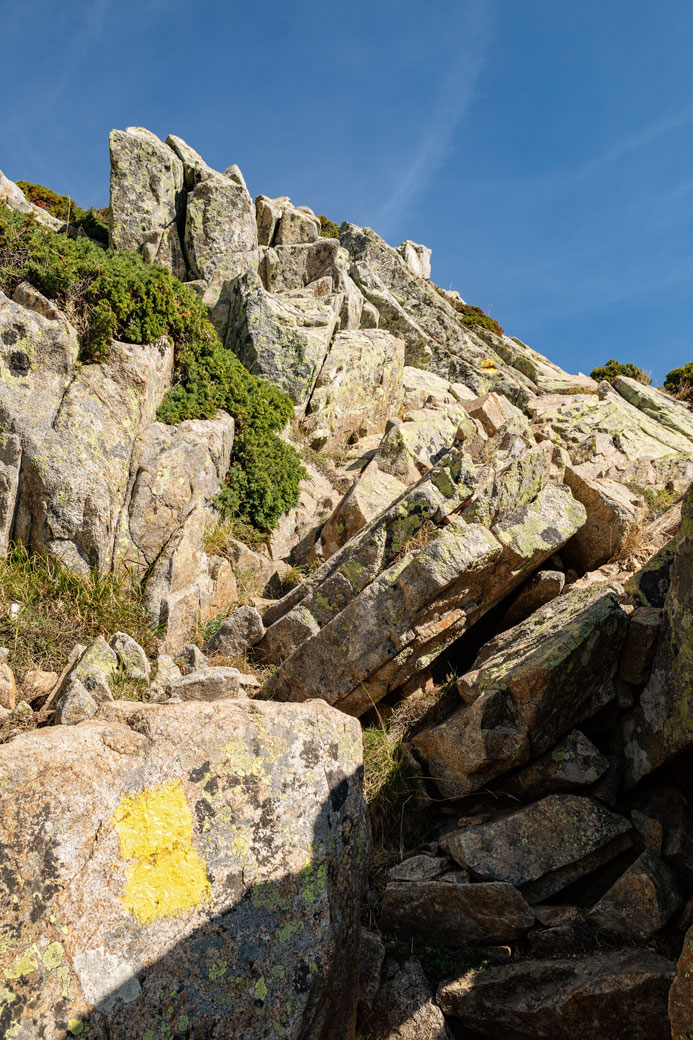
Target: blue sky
pixel 542 148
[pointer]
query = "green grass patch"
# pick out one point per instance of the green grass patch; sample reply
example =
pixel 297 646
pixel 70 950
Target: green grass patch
pixel 471 315
pixel 394 792
pixel 46 609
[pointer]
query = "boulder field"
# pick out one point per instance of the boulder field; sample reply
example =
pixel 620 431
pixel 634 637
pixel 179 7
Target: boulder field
pixel 414 765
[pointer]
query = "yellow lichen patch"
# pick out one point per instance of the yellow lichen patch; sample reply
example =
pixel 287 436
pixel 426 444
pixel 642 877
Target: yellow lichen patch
pixel 168 875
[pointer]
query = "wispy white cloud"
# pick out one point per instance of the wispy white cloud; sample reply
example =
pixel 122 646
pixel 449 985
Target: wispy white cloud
pixel 90 29
pixel 456 92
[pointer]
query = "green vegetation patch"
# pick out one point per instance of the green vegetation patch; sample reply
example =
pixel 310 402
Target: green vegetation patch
pixel 680 382
pixel 94 222
pixel 471 315
pixel 614 368
pixel 328 228
pixel 45 609
pixel 117 295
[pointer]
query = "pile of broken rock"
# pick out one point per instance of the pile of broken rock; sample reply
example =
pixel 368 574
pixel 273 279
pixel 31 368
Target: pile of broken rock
pixel 200 857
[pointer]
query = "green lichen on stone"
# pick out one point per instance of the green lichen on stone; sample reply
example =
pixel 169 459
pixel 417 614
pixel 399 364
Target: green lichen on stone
pixel 260 991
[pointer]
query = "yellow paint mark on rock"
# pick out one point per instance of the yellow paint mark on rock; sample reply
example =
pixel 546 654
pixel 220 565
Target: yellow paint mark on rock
pixel 167 875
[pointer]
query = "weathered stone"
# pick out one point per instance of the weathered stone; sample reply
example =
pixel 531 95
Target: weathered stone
pixel 534 684
pixel 417 257
pixel 296 225
pixel 539 590
pixel 212 684
pixel 458 913
pixel 640 902
pixel 37 684
pixel 421 387
pixel 15 722
pixel 573 764
pixel 193 658
pixel 10 461
pixel 403 1008
pixel 649 585
pixel 612 512
pixel 493 411
pixel 543 847
pixel 681 993
pixel 244 629
pixel 75 705
pixel 8 686
pixel 590 998
pixel 370 970
pixel 146 197
pixel 195 168
pixel 370 496
pixel 358 387
pixel 283 340
pixel 667 817
pixel 76 473
pixel 547 377
pixel 131 656
pixel 411 447
pixel 418 868
pixel 220 229
pixel 662 724
pixel 638 650
pixel 245 897
pixel 660 406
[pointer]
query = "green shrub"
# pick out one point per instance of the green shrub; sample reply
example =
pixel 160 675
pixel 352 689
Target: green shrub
pixel 94 222
pixel 328 228
pixel 680 382
pixel 117 295
pixel 614 368
pixel 471 315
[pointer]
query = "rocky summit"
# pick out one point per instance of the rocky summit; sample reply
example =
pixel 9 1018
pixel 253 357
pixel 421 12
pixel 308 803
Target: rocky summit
pixel 348 658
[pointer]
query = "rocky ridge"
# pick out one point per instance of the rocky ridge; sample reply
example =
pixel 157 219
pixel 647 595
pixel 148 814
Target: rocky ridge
pixel 490 571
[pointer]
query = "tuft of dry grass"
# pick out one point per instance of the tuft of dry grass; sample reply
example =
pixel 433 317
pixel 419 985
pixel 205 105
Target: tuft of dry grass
pixel 419 540
pixel 45 609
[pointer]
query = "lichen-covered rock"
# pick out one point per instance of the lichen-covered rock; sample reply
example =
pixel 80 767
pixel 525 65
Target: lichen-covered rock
pixel 14 198
pixel 417 257
pixel 531 685
pixel 403 1008
pixel 457 914
pixel 220 229
pixel 587 997
pixel 543 847
pixel 639 648
pixel 211 853
pixel 146 197
pixel 242 630
pixel 573 764
pixel 131 657
pixel 75 705
pixel 212 684
pixel 412 446
pixel 539 590
pixel 372 493
pixel 359 386
pixel 662 723
pixel 8 685
pixel 640 902
pixel 612 512
pixel 283 339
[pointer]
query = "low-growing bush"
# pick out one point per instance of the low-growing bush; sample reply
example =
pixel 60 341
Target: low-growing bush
pixel 117 295
pixel 471 315
pixel 680 382
pixel 328 228
pixel 94 222
pixel 614 368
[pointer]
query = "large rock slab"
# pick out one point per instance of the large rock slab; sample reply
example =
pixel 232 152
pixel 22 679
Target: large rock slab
pixel 147 197
pixel 640 902
pixel 587 997
pixel 186 863
pixel 370 496
pixel 613 511
pixel 662 723
pixel 284 340
pixel 403 1007
pixel 358 387
pixel 454 913
pixel 530 686
pixel 220 228
pixel 543 847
